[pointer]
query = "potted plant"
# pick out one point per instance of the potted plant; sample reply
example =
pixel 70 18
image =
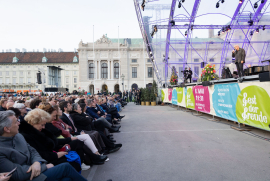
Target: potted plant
pixel 142 96
pixel 154 94
pixel 147 96
pixel 208 74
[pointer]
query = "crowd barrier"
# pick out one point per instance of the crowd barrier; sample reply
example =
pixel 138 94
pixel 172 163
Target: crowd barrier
pixel 247 102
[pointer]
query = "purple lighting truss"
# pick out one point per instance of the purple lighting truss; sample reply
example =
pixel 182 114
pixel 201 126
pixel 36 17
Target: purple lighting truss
pixel 239 21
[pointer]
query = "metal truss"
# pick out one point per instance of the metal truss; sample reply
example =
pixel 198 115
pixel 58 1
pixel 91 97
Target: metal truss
pixel 240 16
pixel 254 27
pixel 145 39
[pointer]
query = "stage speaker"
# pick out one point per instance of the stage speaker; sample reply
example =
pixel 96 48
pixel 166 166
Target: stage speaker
pixel 39 78
pixel 202 64
pixel 228 73
pixel 264 77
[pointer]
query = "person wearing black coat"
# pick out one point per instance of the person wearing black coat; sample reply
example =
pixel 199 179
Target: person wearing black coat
pixel 78 114
pixel 47 145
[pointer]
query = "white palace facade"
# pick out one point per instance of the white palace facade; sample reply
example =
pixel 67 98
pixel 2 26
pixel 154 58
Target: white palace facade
pixel 107 65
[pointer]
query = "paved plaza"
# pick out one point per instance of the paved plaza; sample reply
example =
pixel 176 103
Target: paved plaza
pixel 163 143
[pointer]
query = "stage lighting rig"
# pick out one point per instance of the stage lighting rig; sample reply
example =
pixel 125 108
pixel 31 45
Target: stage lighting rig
pixel 217 5
pixel 143 5
pixel 257 30
pixel 251 33
pixel 228 28
pixel 218 33
pixel 263 27
pixel 240 1
pixel 186 33
pixel 172 22
pixel 250 22
pixel 180 4
pixel 191 27
pixel 256 3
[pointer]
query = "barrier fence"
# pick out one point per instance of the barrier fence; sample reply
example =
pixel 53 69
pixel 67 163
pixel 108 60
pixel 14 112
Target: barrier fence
pixel 247 102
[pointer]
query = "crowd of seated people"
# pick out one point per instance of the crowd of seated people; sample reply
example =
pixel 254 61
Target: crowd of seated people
pixel 56 137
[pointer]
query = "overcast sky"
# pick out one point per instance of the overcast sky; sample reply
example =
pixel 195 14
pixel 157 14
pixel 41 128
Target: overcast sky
pixel 53 24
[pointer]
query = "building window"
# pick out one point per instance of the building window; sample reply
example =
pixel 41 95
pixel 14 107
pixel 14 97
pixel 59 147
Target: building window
pixel 240 37
pixel 116 70
pixel 211 60
pixel 21 87
pixel 75 72
pixel 150 72
pixel 7 73
pixel 196 71
pixel 91 71
pixel 0 66
pixel 134 60
pixel 21 73
pixel 75 86
pixel 75 80
pixel 181 60
pixel 181 72
pixel 21 80
pixel 21 66
pixel 0 73
pixel 14 81
pixel 67 80
pixel 134 72
pixel 148 60
pixel 7 80
pixel 6 66
pixel 67 85
pixel 29 73
pixel 1 80
pixel 14 66
pixel 36 86
pixel 14 73
pixel 66 72
pixel 29 80
pixel 28 66
pixel 196 60
pixel 104 71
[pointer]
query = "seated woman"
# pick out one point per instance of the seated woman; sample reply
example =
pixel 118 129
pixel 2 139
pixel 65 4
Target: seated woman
pixel 83 137
pixel 46 144
pixel 15 152
pixel 81 115
pixel 22 108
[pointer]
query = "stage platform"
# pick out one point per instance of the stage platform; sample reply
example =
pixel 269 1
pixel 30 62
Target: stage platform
pixel 244 102
pixel 222 81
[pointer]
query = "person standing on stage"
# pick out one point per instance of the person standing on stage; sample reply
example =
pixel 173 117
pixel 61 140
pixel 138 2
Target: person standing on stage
pixel 189 75
pixel 240 56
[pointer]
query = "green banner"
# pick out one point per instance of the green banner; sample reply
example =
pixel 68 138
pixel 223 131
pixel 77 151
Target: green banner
pixel 252 107
pixel 190 101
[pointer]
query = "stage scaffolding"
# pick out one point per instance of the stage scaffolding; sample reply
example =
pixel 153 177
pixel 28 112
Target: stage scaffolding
pixel 175 45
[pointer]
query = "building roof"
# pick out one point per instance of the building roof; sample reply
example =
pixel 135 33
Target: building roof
pixel 36 57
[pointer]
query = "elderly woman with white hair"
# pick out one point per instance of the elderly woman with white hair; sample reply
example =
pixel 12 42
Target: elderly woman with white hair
pixel 22 108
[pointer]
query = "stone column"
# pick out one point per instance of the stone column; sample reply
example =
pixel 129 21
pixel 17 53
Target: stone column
pixel 99 70
pixel 112 66
pixel 96 75
pixel 109 69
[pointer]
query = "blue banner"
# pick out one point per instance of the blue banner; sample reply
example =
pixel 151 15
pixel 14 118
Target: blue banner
pixel 174 96
pixel 224 100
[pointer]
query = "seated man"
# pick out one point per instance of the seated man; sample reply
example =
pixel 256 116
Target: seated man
pixel 15 152
pixel 94 114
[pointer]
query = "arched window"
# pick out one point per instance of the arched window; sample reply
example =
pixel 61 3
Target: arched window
pixel 116 70
pixel 91 71
pixel 104 71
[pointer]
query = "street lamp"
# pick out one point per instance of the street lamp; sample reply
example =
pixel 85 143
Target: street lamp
pixel 122 76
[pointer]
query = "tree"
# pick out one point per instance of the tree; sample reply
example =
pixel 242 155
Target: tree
pixel 27 94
